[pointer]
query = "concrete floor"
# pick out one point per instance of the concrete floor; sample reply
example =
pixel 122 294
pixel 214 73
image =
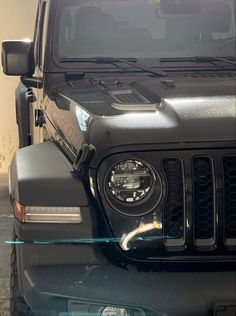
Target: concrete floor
pixel 5 250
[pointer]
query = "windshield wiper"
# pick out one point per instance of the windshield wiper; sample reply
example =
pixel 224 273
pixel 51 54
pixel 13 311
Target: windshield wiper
pixel 112 60
pixel 199 59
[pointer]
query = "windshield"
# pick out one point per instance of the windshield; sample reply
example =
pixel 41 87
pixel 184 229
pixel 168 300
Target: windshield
pixel 145 28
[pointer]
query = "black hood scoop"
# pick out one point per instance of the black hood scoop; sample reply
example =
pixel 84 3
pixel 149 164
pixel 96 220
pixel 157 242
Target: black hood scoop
pixel 129 96
pixel 132 100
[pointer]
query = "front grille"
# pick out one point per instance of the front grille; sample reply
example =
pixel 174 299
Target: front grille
pixel 210 211
pixel 174 204
pixel 203 199
pixel 197 213
pixel 229 166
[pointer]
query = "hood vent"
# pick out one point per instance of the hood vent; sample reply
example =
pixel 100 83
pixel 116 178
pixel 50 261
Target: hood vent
pixel 131 100
pixel 81 84
pixel 128 96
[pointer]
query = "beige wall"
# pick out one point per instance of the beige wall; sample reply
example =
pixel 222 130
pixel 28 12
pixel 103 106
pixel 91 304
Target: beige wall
pixel 16 22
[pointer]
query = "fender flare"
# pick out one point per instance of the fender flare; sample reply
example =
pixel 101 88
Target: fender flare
pixel 41 175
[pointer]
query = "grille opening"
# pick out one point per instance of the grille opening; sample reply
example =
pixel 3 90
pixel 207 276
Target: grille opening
pixel 173 209
pixel 229 183
pixel 203 202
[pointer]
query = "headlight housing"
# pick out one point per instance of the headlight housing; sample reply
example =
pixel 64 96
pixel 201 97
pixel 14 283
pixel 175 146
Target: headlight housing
pixel 130 181
pixel 133 187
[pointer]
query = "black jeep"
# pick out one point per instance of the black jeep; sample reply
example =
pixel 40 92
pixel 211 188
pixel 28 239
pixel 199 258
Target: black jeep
pixel 124 194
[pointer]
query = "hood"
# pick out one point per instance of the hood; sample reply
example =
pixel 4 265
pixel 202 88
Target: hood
pixel 153 111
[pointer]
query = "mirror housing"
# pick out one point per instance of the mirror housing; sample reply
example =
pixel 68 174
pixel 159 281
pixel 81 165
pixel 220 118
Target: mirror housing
pixel 18 58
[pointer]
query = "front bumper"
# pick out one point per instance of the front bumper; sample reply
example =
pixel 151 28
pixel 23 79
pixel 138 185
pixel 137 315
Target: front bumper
pixel 53 290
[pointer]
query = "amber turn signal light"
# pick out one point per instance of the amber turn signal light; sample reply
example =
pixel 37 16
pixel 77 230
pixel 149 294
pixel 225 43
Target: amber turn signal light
pixel 47 214
pixel 19 211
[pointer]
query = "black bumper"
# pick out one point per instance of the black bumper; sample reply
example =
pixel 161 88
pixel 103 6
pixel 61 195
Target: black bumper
pixel 51 290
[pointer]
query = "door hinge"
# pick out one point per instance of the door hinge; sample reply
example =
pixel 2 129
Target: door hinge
pixel 39 118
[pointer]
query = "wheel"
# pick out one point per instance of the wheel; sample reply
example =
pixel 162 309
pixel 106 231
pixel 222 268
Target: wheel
pixel 18 306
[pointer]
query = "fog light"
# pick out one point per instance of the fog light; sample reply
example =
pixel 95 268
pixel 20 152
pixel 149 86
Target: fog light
pixel 47 214
pixel 114 311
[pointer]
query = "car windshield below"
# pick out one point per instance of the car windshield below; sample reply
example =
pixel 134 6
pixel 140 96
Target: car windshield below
pixel 144 28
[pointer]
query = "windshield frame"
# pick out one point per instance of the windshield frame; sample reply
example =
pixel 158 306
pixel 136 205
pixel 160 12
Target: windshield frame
pixel 109 67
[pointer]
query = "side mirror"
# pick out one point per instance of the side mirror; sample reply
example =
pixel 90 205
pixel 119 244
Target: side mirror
pixel 18 58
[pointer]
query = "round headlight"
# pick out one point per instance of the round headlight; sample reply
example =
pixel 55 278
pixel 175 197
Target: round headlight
pixel 133 187
pixel 130 181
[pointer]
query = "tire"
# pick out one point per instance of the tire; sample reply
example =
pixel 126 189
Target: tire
pixel 18 306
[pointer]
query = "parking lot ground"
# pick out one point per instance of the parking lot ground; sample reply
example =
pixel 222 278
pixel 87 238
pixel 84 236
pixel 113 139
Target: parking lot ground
pixel 5 249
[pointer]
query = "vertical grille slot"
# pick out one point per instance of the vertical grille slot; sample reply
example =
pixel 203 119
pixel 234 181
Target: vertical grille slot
pixel 229 182
pixel 203 202
pixel 174 206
